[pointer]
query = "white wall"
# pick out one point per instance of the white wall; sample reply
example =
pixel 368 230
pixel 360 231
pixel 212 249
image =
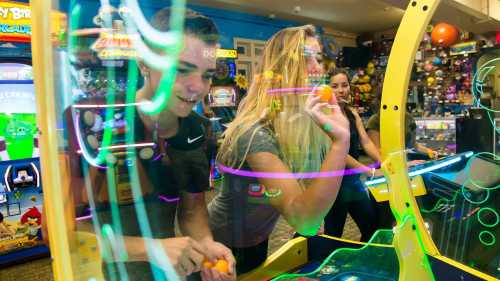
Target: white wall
pixel 487 7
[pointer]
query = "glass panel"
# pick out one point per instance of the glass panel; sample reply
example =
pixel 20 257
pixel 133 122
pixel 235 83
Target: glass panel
pixel 174 159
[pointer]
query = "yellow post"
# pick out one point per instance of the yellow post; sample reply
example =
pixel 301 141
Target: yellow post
pixel 54 199
pixel 411 240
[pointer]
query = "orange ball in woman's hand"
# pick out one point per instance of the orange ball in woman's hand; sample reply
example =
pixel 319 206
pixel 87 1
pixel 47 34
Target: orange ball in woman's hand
pixel 222 266
pixel 324 92
pixel 207 264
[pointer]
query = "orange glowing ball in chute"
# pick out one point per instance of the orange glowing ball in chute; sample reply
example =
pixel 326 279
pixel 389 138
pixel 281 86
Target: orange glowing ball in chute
pixel 444 34
pixel 221 266
pixel 324 92
pixel 207 264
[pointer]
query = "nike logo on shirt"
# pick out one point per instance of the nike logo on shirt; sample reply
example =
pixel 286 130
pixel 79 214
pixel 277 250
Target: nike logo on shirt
pixel 195 139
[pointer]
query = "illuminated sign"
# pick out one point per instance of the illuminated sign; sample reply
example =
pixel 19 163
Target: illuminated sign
pixel 463 48
pixel 114 46
pixel 15 22
pixel 226 53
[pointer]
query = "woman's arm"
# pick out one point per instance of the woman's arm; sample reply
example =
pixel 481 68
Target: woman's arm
pixel 303 208
pixel 355 164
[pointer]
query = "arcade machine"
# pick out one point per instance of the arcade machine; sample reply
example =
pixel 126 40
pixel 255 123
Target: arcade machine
pixel 223 98
pixel 21 195
pixel 96 50
pixel 446 210
pixel 410 251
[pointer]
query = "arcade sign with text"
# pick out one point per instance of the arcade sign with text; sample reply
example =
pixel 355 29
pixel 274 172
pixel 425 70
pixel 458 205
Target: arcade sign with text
pixel 15 22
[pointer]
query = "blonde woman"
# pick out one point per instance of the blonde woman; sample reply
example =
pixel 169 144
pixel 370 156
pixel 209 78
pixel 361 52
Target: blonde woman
pixel 282 153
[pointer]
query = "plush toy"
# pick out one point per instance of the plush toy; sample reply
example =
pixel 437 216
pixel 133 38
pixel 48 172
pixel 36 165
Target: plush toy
pixel 437 61
pixel 451 92
pixel 357 98
pixel 428 66
pixel 444 35
pixel 370 69
pixel 430 81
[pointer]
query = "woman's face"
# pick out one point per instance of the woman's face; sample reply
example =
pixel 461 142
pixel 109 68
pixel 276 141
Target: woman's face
pixel 341 87
pixel 312 52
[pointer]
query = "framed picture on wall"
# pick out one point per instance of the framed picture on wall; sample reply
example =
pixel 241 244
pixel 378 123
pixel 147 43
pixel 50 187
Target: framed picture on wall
pixel 222 96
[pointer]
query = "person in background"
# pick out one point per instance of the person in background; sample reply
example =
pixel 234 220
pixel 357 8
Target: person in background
pixel 373 130
pixel 353 197
pixel 280 130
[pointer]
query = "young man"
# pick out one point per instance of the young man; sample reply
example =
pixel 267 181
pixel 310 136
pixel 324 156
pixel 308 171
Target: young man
pixel 175 185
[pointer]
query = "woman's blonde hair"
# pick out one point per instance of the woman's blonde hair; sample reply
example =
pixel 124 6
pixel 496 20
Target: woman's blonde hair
pixel 302 144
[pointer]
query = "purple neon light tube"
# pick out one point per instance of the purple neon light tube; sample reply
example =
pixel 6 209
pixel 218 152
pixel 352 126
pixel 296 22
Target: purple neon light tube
pixel 168 200
pixel 308 175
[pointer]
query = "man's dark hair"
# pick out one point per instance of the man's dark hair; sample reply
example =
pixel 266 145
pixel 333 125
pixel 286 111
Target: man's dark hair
pixel 194 23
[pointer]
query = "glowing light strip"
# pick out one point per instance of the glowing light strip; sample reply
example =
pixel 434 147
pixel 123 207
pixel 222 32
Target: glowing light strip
pixel 425 170
pixel 308 175
pixel 127 145
pixel 151 34
pixel 154 250
pixel 477 82
pixel 169 200
pixel 37 174
pixel 174 44
pixel 6 176
pixel 281 90
pixel 108 105
pixel 82 218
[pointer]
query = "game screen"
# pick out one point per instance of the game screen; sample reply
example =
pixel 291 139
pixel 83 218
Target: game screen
pixel 20 185
pixel 18 128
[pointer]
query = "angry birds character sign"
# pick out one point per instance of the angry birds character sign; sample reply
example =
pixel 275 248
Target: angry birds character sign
pixel 32 220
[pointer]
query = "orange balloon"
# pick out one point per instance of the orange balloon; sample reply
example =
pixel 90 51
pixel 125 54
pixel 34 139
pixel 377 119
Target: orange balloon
pixel 207 264
pixel 222 266
pixel 325 93
pixel 444 34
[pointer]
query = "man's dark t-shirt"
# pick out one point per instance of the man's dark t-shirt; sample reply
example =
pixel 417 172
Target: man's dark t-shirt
pixel 163 177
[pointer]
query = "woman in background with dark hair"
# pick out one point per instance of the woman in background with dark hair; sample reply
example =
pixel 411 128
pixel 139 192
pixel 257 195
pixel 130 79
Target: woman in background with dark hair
pixel 353 197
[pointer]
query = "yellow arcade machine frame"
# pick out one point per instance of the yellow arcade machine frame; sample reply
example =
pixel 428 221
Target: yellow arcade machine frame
pixel 403 204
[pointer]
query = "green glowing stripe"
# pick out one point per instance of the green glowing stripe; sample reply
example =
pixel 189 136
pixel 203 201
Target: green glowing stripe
pixel 170 42
pixel 497 217
pixel 477 90
pixel 110 97
pixel 154 249
pixel 469 163
pixel 492 237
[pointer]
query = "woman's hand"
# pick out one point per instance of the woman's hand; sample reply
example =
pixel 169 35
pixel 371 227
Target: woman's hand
pixel 332 121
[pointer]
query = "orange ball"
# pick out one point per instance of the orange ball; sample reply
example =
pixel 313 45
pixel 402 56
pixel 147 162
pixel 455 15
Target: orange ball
pixel 207 264
pixel 444 34
pixel 325 93
pixel 222 266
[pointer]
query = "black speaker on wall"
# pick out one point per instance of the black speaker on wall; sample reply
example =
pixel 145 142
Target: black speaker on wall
pixel 356 56
pixel 474 132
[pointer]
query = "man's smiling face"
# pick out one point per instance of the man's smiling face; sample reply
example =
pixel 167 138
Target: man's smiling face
pixel 195 70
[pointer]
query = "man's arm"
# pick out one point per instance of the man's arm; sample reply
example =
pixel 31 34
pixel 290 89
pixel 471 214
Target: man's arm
pixel 193 216
pixel 193 222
